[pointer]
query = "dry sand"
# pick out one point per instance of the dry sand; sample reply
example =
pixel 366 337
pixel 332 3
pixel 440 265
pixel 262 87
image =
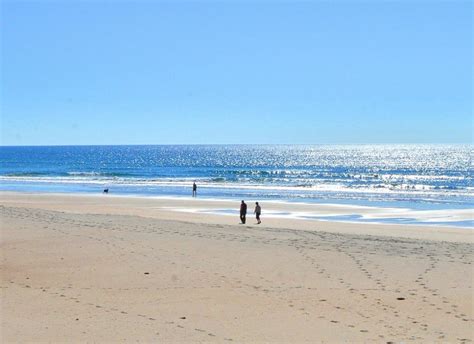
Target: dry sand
pixel 85 268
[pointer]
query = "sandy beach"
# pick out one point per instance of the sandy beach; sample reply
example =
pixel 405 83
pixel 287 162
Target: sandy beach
pixel 100 268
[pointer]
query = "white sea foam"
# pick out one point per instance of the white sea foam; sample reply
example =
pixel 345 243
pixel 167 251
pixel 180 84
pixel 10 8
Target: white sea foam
pixel 94 179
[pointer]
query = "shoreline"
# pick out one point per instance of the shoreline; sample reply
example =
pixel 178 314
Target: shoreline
pixel 388 192
pixel 197 210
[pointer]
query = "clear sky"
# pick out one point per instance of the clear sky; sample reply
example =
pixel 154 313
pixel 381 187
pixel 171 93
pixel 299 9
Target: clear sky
pixel 154 72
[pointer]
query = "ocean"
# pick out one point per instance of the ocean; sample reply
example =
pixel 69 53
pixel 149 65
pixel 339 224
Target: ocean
pixel 420 177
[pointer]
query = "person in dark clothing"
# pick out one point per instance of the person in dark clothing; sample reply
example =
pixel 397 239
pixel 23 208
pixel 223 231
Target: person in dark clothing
pixel 243 212
pixel 194 189
pixel 257 212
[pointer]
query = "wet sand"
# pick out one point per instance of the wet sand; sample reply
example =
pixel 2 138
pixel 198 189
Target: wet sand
pixel 85 268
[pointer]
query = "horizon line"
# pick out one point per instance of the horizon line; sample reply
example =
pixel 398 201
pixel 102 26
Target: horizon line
pixel 239 144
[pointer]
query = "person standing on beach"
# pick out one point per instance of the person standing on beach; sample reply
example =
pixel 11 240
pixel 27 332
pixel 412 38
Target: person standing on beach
pixel 257 212
pixel 194 189
pixel 243 212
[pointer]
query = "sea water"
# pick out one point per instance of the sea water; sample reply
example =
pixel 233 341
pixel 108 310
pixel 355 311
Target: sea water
pixel 423 177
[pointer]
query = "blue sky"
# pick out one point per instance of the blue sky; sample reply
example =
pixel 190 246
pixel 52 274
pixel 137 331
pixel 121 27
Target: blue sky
pixel 154 72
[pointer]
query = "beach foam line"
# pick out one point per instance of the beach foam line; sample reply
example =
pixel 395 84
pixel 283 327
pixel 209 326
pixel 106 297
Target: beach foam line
pixel 329 188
